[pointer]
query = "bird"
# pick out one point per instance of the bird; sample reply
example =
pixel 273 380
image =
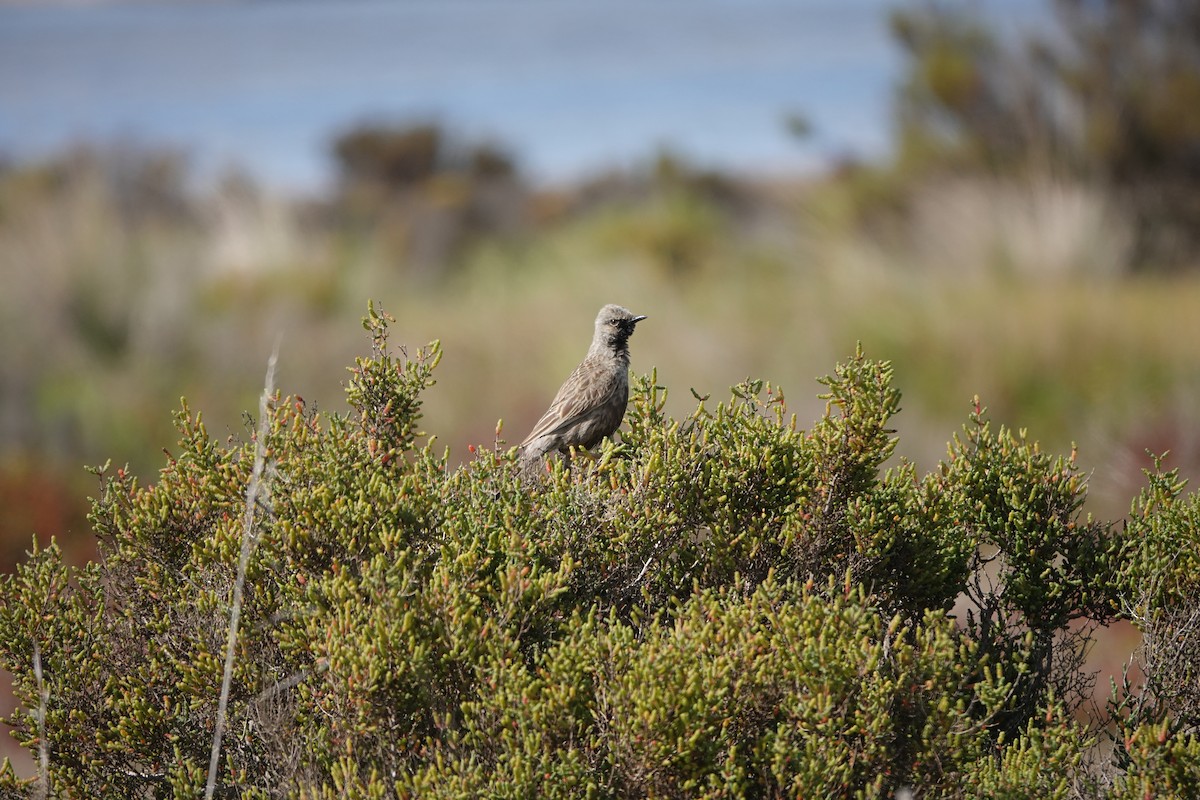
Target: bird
pixel 591 402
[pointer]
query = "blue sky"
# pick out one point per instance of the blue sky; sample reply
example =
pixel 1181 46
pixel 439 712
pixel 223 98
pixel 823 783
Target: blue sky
pixel 570 87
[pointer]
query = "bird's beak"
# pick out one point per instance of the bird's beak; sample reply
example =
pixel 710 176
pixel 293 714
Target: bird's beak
pixel 636 320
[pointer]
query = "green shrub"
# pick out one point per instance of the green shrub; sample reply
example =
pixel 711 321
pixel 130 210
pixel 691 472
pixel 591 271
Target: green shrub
pixel 719 606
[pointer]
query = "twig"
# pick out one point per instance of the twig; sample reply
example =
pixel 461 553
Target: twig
pixel 645 567
pixel 253 489
pixel 43 790
pixel 295 679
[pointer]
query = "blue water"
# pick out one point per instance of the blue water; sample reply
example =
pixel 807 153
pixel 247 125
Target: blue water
pixel 570 87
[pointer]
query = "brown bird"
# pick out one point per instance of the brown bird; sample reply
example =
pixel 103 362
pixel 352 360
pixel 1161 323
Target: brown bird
pixel 591 403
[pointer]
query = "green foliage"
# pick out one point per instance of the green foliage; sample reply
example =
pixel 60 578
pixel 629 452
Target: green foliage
pixel 1038 564
pixel 1044 762
pixel 1163 527
pixel 1161 764
pixel 723 605
pixel 1159 591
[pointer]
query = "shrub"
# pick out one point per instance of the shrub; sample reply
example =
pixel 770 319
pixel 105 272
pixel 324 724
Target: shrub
pixel 719 606
pixel 423 195
pixel 1103 92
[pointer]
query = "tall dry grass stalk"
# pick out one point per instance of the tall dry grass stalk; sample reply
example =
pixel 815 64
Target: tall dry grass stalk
pixel 42 790
pixel 257 487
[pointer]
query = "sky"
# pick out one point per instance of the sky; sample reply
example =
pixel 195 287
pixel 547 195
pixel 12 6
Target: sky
pixel 569 87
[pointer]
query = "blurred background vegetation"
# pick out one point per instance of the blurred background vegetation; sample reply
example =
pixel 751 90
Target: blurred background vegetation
pixel 1032 239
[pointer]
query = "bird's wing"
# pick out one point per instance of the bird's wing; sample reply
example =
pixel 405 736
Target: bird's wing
pixel 580 394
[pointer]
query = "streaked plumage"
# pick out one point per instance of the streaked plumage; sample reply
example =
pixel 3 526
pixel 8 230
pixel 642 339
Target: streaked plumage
pixel 591 403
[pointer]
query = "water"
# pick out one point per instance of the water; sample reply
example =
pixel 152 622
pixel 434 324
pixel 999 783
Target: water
pixel 570 87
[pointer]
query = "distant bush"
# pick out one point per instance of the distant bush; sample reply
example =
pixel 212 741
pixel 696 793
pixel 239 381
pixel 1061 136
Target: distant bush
pixel 1106 93
pixel 424 194
pixel 678 218
pixel 720 606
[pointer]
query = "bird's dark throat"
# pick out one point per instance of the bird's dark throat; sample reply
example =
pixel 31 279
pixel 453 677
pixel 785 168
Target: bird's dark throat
pixel 619 343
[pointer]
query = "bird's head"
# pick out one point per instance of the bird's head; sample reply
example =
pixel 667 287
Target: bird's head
pixel 614 325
